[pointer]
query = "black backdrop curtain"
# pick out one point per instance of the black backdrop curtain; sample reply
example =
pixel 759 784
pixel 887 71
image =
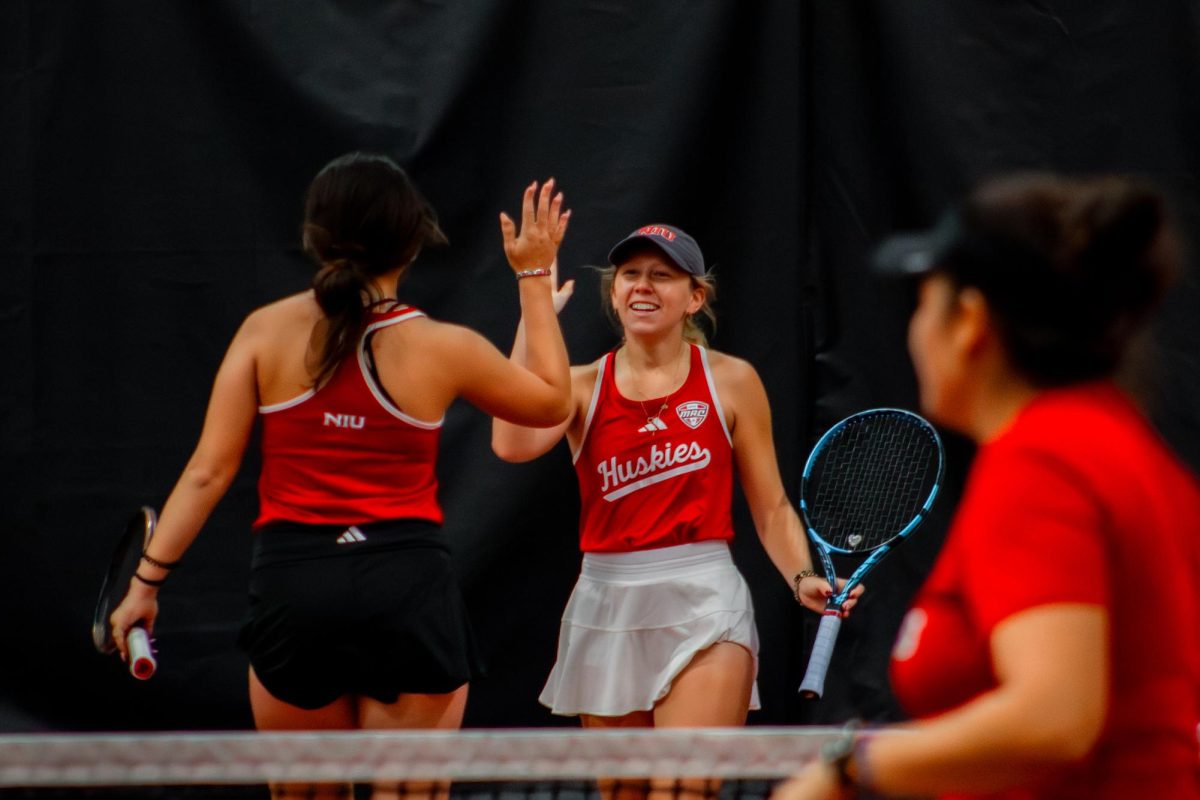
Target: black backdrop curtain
pixel 153 161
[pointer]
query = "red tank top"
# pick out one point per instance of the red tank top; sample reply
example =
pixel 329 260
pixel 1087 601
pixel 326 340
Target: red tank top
pixel 645 483
pixel 344 454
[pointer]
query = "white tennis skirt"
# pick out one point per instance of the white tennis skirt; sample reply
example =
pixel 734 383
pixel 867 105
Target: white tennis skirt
pixel 635 620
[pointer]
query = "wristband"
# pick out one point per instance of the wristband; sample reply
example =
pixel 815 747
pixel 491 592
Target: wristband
pixel 154 562
pixel 801 575
pixel 533 273
pixel 148 582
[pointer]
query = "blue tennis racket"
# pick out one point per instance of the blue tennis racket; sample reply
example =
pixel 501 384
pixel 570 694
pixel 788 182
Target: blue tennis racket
pixel 867 485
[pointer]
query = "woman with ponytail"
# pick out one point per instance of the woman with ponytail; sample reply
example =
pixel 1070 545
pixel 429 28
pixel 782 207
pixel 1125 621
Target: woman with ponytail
pixel 355 618
pixel 1054 651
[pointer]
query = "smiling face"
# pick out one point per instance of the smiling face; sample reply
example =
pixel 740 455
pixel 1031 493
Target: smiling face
pixel 651 295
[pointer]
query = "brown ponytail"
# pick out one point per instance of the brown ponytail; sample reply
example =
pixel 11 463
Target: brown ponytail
pixel 363 217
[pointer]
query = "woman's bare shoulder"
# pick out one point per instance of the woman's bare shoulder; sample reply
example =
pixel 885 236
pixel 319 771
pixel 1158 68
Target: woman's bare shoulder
pixel 300 308
pixel 583 377
pixel 426 331
pixel 587 372
pixel 730 367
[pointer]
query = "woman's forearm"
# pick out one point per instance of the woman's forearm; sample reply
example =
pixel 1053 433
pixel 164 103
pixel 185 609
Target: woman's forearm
pixel 1045 713
pixel 544 351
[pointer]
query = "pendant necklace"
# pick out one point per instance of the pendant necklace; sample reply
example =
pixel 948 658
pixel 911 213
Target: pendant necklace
pixel 654 421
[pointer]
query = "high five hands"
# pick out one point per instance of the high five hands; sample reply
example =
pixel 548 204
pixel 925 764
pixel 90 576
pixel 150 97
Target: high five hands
pixel 543 225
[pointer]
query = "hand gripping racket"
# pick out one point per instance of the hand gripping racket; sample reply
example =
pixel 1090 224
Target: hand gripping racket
pixel 116 583
pixel 867 485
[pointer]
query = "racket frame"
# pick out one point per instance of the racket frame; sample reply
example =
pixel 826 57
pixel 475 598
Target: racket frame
pixel 142 663
pixel 814 679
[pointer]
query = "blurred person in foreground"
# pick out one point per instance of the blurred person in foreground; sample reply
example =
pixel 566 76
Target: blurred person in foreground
pixel 1054 651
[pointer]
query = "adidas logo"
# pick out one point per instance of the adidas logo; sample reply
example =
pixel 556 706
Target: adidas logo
pixel 653 424
pixel 350 535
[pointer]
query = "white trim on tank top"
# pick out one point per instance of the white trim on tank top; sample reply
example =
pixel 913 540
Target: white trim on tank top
pixel 591 412
pixel 380 397
pixel 366 373
pixel 295 401
pixel 712 390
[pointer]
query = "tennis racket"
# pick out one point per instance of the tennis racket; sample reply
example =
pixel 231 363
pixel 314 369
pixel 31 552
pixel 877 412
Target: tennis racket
pixel 116 582
pixel 867 485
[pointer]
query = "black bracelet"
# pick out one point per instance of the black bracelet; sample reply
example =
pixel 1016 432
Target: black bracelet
pixel 149 582
pixel 801 575
pixel 154 562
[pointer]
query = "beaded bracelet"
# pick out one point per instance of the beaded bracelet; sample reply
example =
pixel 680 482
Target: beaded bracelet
pixel 148 582
pixel 801 575
pixel 533 273
pixel 154 562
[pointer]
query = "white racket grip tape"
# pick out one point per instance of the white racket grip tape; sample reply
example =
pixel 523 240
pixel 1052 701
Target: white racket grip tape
pixel 141 657
pixel 818 663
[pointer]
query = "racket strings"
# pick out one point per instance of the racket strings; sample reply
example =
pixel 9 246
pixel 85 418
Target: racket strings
pixel 871 481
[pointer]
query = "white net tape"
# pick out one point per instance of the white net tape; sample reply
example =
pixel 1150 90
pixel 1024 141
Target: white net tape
pixel 523 755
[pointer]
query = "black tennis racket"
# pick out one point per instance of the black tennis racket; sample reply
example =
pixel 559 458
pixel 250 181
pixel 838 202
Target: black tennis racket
pixel 867 485
pixel 116 582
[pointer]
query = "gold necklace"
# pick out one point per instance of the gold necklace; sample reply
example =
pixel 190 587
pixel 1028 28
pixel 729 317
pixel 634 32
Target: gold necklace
pixel 654 421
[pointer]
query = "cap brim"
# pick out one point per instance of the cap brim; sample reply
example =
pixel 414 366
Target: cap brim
pixel 622 248
pixel 909 255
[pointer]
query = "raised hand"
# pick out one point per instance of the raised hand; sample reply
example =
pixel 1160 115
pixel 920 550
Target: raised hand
pixel 561 294
pixel 543 225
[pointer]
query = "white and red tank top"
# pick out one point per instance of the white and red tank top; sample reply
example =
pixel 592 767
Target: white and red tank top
pixel 646 481
pixel 344 454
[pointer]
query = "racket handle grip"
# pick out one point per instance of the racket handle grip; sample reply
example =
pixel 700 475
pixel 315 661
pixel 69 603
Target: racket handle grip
pixel 813 684
pixel 141 657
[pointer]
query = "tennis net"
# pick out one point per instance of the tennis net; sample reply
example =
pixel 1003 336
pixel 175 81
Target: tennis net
pixel 542 764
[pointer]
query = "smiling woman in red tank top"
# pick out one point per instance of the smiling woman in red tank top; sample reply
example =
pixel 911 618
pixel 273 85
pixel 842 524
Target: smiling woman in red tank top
pixel 659 630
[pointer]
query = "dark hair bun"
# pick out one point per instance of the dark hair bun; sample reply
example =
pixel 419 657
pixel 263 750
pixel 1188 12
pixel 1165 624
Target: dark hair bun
pixel 1119 225
pixel 1077 266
